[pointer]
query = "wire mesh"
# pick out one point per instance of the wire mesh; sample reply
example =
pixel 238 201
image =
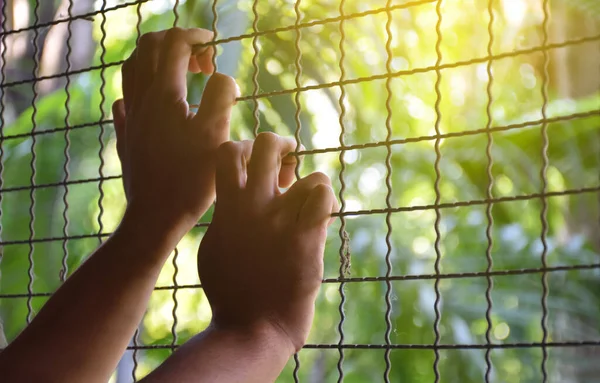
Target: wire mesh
pixel 344 336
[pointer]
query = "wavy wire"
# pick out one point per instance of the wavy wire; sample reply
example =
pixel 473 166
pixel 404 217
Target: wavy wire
pixel 298 104
pixel 64 266
pixel 342 231
pixel 32 165
pixel 544 211
pixel 255 89
pixel 176 251
pixel 388 197
pixel 438 176
pixel 135 339
pixel 489 196
pixel 2 108
pixel 101 124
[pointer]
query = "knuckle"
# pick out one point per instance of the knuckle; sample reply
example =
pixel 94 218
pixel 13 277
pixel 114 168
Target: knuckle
pixel 267 140
pixel 227 150
pixel 174 35
pixel 148 40
pixel 321 179
pixel 323 190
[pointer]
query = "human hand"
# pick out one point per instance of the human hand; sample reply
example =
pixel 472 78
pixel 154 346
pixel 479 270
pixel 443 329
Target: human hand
pixel 167 152
pixel 261 260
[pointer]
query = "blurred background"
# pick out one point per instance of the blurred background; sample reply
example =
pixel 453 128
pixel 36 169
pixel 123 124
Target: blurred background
pixel 66 121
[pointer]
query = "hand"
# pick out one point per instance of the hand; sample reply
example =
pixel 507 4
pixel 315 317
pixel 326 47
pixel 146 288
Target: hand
pixel 167 152
pixel 261 260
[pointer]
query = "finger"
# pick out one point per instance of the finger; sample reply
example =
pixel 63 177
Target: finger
pixel 118 109
pixel 288 169
pixel 265 164
pixel 202 60
pixel 297 194
pixel 317 210
pixel 174 59
pixel 146 63
pixel 232 158
pixel 206 61
pixel 214 112
pixel 193 65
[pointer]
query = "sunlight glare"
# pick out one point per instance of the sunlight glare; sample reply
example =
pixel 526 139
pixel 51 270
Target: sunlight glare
pixel 501 331
pixel 325 121
pixel 515 11
pixel 370 180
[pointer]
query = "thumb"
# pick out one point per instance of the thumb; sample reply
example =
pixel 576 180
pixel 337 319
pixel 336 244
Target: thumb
pixel 214 112
pixel 318 207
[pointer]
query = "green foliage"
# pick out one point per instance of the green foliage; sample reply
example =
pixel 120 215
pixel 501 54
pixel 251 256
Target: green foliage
pixel 416 110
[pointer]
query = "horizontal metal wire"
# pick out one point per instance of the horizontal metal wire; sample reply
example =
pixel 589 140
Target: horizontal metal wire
pixel 327 20
pixel 72 18
pixel 464 133
pixel 399 141
pixel 573 343
pixel 57 184
pixel 61 74
pixel 56 130
pixel 71 237
pixel 287 28
pixel 314 151
pixel 409 277
pixel 426 69
pixel 382 76
pixel 448 205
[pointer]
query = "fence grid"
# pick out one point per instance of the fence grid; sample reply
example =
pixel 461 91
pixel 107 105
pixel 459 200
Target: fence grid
pixel 300 28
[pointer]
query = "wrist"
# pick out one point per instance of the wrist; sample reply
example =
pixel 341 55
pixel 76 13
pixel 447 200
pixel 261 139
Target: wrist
pixel 149 232
pixel 265 335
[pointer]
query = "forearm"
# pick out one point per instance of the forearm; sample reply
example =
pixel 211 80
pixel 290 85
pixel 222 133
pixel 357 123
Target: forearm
pixel 216 355
pixel 81 333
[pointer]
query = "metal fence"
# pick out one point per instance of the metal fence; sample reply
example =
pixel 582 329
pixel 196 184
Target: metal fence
pixel 297 88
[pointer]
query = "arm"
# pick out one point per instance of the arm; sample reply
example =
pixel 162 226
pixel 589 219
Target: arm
pixel 260 264
pixel 81 333
pixel 222 355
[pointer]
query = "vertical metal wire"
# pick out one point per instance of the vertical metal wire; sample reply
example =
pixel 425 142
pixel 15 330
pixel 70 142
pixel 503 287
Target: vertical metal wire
pixel 64 268
pixel 176 252
pixel 544 212
pixel 438 176
pixel 342 232
pixel 388 197
pixel 101 122
pixel 298 78
pixel 489 196
pixel 36 64
pixel 137 330
pixel 255 67
pixel 215 14
pixel 2 105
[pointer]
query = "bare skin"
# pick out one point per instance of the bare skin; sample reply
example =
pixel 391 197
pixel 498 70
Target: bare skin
pixel 262 285
pixel 169 157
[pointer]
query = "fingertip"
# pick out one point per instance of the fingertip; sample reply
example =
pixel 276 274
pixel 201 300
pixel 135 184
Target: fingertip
pixel 287 174
pixel 118 106
pixel 224 87
pixel 118 110
pixel 205 60
pixel 194 65
pixel 318 207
